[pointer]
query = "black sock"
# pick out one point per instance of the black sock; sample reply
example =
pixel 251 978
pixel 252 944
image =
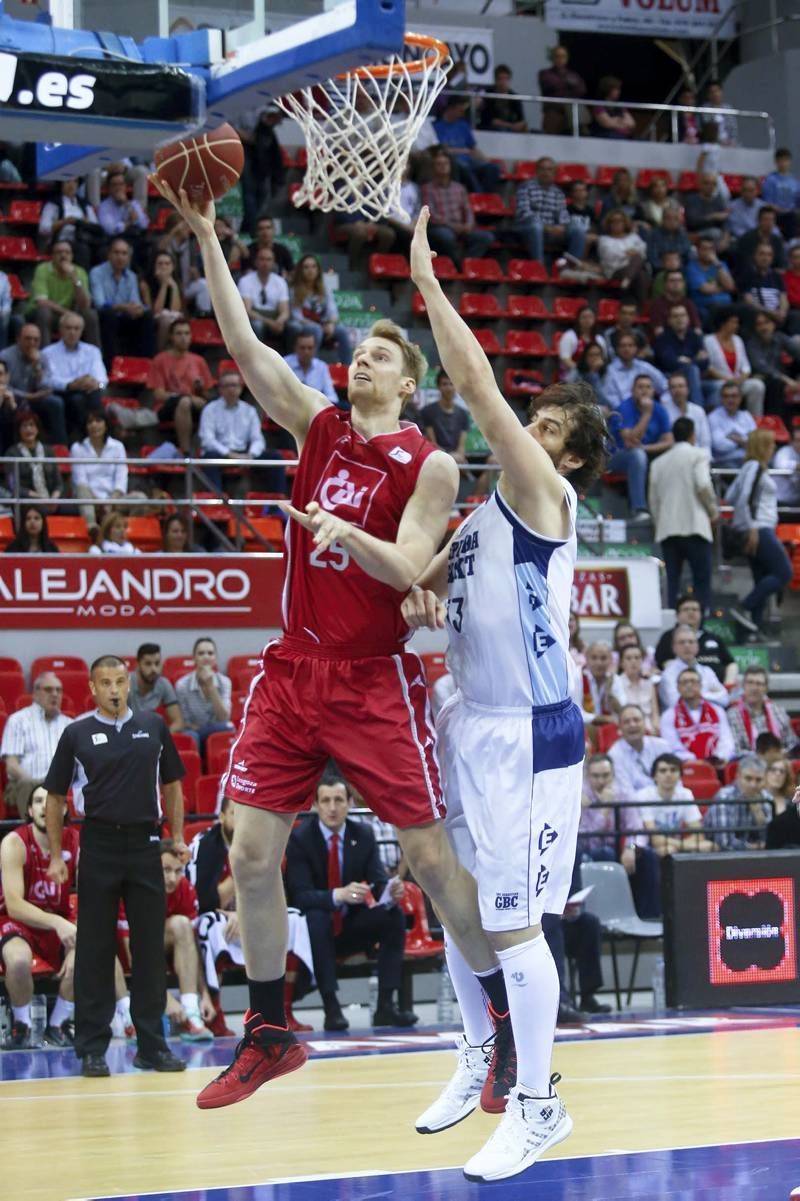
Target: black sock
pixel 330 1001
pixel 495 988
pixel 385 998
pixel 266 998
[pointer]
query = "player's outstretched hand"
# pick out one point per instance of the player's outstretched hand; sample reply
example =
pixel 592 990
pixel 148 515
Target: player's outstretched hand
pixel 421 254
pixel 422 610
pixel 199 219
pixel 325 527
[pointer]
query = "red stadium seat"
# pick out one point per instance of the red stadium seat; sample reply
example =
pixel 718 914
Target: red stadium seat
pixel 145 533
pixel 483 271
pixel 205 332
pixel 175 666
pixel 445 269
pixel 729 772
pixel 527 271
pixel 484 305
pixel 687 181
pixel 418 306
pixel 23 212
pixel 489 204
pixel 194 770
pixel 701 779
pixel 435 666
pixel 60 663
pixel 524 344
pixel 184 741
pixel 69 534
pixel 734 183
pixel 339 371
pixel 237 704
pixel 9 664
pixel 524 169
pixel 220 740
pixel 18 291
pixel 389 266
pixel 127 369
pixel 419 943
pixel 487 339
pixel 240 662
pixel 606 737
pixel 776 425
pixel 6 531
pixel 242 677
pixel 565 308
pixel 192 829
pixel 270 529
pixel 604 176
pixel 647 174
pixel 205 793
pixel 20 250
pixel 527 308
pixel 567 173
pixel 607 311
pixel 522 384
pixel 12 687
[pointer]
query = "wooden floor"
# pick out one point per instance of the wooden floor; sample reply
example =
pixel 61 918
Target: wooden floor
pixel 138 1133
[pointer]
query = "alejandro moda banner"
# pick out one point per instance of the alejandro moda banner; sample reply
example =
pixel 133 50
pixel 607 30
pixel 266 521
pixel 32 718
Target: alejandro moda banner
pixel 147 591
pixel 650 18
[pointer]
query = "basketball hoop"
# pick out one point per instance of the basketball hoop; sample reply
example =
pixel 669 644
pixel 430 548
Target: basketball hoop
pixel 360 127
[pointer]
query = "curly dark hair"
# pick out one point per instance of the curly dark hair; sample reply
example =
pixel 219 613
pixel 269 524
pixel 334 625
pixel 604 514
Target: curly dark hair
pixel 588 437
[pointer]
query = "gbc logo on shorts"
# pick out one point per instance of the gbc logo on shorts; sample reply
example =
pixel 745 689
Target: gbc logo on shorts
pixel 506 900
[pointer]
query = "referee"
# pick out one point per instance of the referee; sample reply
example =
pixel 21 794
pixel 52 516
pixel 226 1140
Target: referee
pixel 115 762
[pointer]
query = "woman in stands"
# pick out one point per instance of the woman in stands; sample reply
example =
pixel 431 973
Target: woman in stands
pixel 175 537
pixel 573 342
pixel 112 537
pixel 592 367
pixel 632 687
pixel 727 360
pixel 623 254
pixel 611 122
pixel 105 478
pixel 577 647
pixel 658 198
pixel 33 538
pixel 32 478
pixel 314 311
pixel 161 293
pixel 626 634
pixel 781 783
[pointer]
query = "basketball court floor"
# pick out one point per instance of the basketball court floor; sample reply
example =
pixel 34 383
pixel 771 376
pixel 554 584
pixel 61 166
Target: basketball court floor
pixel 688 1107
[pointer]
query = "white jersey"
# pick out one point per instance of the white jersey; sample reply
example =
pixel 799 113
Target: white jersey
pixel 508 604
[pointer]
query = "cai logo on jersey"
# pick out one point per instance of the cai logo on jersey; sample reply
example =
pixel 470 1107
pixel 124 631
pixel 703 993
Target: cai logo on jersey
pixel 348 489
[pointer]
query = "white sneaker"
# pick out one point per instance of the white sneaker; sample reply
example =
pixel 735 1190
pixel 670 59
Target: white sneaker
pixel 528 1128
pixel 462 1092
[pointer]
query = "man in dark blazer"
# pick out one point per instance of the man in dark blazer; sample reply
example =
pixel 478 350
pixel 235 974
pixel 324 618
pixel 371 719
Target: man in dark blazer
pixel 335 876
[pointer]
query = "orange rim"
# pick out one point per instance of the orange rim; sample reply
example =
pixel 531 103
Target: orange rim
pixel 430 45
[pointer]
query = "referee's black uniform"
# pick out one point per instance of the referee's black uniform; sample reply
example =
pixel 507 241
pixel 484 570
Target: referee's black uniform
pixel 114 767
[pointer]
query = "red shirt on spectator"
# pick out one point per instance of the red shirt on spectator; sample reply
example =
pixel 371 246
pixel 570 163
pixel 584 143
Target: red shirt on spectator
pixel 791 283
pixel 179 375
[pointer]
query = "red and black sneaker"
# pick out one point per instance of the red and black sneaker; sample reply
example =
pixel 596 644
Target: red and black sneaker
pixel 264 1053
pixel 502 1065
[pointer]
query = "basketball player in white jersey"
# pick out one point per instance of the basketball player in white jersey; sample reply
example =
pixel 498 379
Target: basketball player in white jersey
pixel 512 740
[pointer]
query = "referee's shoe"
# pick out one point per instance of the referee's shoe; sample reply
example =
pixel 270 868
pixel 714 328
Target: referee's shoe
pixel 158 1061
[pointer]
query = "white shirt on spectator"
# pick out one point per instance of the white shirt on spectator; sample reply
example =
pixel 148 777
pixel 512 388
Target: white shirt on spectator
pixel 264 297
pixel 788 486
pixel 711 687
pixel 725 748
pixel 671 815
pixel 107 547
pixel 225 427
pixel 721 424
pixel 32 739
pixel 632 768
pixel 66 207
pixel 317 376
pixel 66 365
pixel 619 380
pixel 195 707
pixel 109 471
pixel 702 431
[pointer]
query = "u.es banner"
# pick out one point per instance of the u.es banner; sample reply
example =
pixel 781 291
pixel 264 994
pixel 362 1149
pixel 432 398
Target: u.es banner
pixel 649 18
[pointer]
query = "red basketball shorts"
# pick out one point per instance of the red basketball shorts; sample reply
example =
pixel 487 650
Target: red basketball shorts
pixel 45 944
pixel 371 715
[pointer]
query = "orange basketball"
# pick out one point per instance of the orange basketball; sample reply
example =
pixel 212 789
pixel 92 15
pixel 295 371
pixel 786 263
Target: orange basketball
pixel 206 166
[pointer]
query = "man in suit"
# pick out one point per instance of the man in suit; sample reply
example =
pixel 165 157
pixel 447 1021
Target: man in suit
pixel 335 876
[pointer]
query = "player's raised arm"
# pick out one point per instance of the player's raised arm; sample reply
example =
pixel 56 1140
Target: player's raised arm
pixel 529 468
pixel 273 384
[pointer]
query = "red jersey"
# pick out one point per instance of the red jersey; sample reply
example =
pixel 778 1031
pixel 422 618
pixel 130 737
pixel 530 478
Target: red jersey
pixel 328 599
pixel 40 890
pixel 183 901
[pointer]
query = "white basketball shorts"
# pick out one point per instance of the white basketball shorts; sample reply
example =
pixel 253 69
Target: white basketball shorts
pixel 512 781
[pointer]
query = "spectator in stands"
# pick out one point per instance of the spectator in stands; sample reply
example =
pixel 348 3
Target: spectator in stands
pixel 599 798
pixel 695 727
pixel 676 402
pixel 673 810
pixel 577 646
pixel 710 158
pixel 444 422
pixel 6 302
pixel 624 370
pixel 656 203
pixel 685 650
pixel 755 513
pixel 180 945
pixel 622 253
pixel 150 690
pixel 768 747
pixel 30 738
pixel 334 875
pixel 204 694
pixel 668 236
pixel 175 536
pixel 707 211
pixel 8 409
pixel 574 341
pixel 728 132
pixel 8 171
pixel 688 123
pixel 265 239
pixel 596 681
pixel 576 935
pixel 670 261
pixel 542 216
pixel 558 81
pixel 310 370
pixel 454 132
pixel 230 428
pixel 72 220
pixel 105 477
pixel 783 831
pixel 581 211
pixel 632 687
pixel 32 537
pixel 209 868
pixel 112 536
pixel 754 713
pixel 234 249
pixel 32 479
pixel 161 294
pixel 76 371
pixel 120 216
pixel 592 368
pixel 627 322
pixel 30 381
pixel 502 112
pixel 126 326
pixel 452 230
pixel 641 430
pixel 738 815
pixel 780 782
pixel 782 190
pixel 762 286
pixel 626 634
pixel 728 364
pixel 59 286
pixel 634 753
pixel 709 281
pixel 35 920
pixel 744 210
pixel 712 651
pixel 611 122
pixel 673 292
pixel 791 282
pixel 730 426
pixel 313 309
pixel 787 458
pixel 178 241
pixel 264 173
pixel 180 382
pixel 266 298
pixel 774 359
pixel 680 348
pixel 622 196
pixel 684 507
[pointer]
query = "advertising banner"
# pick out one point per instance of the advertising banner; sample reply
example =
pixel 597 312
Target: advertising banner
pixel 649 18
pixel 474 46
pixel 626 590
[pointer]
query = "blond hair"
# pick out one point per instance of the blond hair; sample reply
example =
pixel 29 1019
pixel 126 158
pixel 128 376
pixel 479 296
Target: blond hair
pixel 414 361
pixel 760 445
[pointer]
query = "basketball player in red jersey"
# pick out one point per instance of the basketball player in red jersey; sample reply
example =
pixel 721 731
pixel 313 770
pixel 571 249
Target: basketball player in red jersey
pixel 34 920
pixel 371 501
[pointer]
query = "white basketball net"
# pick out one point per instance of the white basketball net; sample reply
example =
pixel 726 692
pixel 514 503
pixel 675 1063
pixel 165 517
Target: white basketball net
pixel 359 130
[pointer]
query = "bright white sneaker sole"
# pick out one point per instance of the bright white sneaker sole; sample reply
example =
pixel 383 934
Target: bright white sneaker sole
pixel 431 1127
pixel 563 1130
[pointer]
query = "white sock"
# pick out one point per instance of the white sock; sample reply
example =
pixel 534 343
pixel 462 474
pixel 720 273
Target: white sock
pixel 63 1011
pixel 123 1008
pixel 190 1004
pixel 22 1013
pixel 470 996
pixel 533 987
